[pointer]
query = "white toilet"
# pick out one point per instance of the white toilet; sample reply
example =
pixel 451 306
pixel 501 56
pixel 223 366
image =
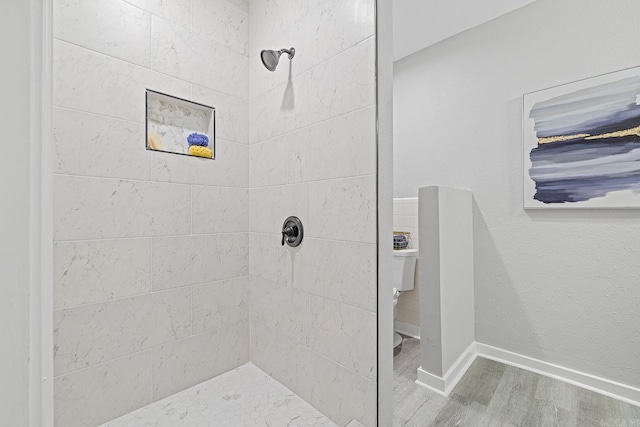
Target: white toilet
pixel 404 270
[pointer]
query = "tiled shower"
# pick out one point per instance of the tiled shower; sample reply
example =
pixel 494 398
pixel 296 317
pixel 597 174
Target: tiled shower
pixel 168 270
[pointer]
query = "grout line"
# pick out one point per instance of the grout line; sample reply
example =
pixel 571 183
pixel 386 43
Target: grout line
pixel 159 291
pixel 311 294
pixel 302 72
pixel 310 125
pixel 142 123
pixel 166 236
pixel 151 348
pixel 146 181
pixel 191 288
pixel 152 70
pixel 107 361
pixel 313 181
pixel 290 340
pixel 322 239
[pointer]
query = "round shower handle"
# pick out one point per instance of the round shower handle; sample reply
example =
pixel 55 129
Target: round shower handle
pixel 292 231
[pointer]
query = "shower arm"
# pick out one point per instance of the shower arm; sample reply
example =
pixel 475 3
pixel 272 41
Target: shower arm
pixel 291 52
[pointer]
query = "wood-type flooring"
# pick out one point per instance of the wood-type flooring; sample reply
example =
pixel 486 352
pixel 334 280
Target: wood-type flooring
pixel 493 394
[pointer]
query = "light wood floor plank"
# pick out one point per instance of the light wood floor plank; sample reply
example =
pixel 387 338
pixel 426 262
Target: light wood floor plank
pixel 492 394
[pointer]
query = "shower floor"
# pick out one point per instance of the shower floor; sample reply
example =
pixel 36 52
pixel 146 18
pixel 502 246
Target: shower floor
pixel 243 397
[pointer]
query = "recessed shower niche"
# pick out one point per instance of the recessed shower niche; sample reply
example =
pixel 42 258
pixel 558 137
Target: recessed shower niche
pixel 178 126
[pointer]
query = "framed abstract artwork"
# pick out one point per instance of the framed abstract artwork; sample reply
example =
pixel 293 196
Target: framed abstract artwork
pixel 582 143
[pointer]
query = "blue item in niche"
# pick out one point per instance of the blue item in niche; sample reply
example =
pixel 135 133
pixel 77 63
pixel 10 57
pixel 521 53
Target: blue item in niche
pixel 198 139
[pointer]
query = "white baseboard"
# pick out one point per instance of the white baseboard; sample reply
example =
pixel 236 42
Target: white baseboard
pixel 407 329
pixel 444 385
pixel 600 385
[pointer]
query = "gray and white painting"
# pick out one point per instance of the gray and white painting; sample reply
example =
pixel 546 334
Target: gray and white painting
pixel 583 147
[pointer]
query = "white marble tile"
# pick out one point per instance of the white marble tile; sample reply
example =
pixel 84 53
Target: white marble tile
pixel 220 210
pixel 270 206
pixel 192 260
pixel 92 208
pixel 229 169
pixel 243 397
pixel 344 209
pixel 269 259
pixel 93 271
pixel 282 308
pixel 324 32
pixel 222 22
pixel 351 75
pixel 333 26
pixel 232 114
pixel 90 145
pixel 281 110
pixel 241 4
pixel 103 392
pixel 342 147
pixel 270 18
pixel 175 11
pixel 339 393
pixel 278 356
pixel 108 86
pixel 268 159
pixel 345 335
pixel 86 335
pixel 182 364
pixel 189 57
pixel 342 271
pixel 111 27
pixel 220 304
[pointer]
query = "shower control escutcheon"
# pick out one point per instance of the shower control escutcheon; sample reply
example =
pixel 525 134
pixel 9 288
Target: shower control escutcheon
pixel 292 231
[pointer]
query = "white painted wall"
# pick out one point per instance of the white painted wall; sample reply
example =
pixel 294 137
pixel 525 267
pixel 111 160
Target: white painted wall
pixel 384 186
pixel 15 46
pixel 418 24
pixel 561 287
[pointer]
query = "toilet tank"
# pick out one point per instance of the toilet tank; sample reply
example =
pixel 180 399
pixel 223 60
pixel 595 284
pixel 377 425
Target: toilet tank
pixel 404 268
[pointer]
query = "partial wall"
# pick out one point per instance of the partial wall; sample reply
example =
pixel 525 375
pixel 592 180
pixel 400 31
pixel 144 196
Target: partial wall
pixel 313 155
pixel 15 184
pixel 151 250
pixel 447 345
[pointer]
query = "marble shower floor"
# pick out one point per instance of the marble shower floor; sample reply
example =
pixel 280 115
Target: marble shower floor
pixel 243 397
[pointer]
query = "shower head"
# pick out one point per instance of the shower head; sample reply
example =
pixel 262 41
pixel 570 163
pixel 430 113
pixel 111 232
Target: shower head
pixel 270 58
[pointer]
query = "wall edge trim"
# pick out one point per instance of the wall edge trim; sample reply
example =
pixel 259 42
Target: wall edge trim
pixel 616 390
pixel 407 329
pixel 444 385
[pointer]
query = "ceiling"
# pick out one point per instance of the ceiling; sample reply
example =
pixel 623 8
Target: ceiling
pixel 420 23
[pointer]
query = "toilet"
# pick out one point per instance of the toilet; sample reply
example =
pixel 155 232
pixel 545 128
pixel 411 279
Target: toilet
pixel 404 270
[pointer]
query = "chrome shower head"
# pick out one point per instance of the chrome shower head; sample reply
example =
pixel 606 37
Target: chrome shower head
pixel 270 58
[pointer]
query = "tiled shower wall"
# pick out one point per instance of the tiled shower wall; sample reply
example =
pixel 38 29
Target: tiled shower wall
pixel 405 218
pixel 313 155
pixel 151 249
